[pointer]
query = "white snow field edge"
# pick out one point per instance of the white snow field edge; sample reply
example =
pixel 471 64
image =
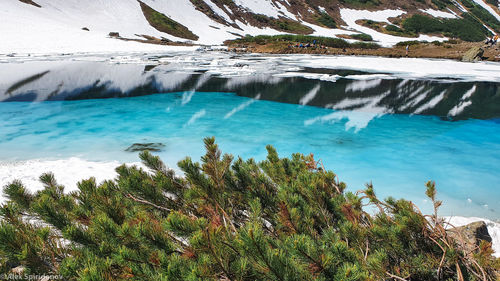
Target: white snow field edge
pixel 403 67
pixel 68 172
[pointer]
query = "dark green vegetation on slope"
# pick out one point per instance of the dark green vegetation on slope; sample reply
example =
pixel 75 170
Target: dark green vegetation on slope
pixel 467 29
pixel 283 24
pixel 165 24
pixel 482 14
pixel 228 219
pixel 305 39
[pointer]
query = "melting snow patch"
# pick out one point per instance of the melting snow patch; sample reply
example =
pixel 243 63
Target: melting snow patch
pixel 218 10
pixel 264 7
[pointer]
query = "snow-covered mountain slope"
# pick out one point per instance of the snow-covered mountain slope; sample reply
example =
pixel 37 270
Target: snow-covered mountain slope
pixel 62 26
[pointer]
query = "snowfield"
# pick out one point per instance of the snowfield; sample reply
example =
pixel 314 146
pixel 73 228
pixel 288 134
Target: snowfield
pixel 57 26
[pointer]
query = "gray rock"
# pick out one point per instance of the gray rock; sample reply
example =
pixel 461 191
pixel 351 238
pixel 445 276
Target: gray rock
pixel 470 236
pixel 157 146
pixel 114 34
pixel 473 55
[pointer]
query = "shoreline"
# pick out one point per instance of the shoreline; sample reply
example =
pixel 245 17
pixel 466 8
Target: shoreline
pixel 424 50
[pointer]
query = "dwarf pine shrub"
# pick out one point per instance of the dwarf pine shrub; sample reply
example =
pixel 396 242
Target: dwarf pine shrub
pixel 228 219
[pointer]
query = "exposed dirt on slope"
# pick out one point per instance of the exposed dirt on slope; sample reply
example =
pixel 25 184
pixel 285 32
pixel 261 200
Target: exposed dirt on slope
pixel 30 2
pixel 165 24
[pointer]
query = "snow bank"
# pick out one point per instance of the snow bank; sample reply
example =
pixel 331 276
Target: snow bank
pixel 493 229
pixel 350 16
pixel 68 172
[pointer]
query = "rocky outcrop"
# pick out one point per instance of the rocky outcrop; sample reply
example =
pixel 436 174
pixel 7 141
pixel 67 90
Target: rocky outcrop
pixel 114 34
pixel 469 236
pixel 473 55
pixel 18 270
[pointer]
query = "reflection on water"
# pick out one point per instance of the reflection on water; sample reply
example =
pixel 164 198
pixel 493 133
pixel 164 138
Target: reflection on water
pixel 366 126
pixel 398 152
pixel 372 93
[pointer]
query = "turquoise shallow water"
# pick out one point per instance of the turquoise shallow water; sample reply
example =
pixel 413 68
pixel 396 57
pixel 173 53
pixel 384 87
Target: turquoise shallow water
pixel 398 153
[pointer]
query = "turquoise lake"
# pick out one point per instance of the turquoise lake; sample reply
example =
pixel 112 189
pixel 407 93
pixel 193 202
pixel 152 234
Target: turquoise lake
pixel 397 152
pixel 396 130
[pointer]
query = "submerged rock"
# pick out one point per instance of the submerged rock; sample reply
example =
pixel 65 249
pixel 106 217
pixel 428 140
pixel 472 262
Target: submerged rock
pixel 473 55
pixel 470 236
pixel 157 146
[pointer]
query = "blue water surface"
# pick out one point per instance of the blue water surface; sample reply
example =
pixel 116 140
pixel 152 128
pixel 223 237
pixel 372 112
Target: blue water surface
pixel 398 153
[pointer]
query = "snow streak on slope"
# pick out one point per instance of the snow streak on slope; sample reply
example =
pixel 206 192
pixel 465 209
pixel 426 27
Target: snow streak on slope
pixel 439 14
pixel 488 8
pixel 265 7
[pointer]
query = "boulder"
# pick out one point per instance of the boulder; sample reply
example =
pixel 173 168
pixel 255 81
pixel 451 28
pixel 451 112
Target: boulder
pixel 470 236
pixel 473 55
pixel 136 147
pixel 114 34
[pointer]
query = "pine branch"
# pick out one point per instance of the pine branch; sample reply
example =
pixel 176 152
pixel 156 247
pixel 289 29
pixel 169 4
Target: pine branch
pixel 148 203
